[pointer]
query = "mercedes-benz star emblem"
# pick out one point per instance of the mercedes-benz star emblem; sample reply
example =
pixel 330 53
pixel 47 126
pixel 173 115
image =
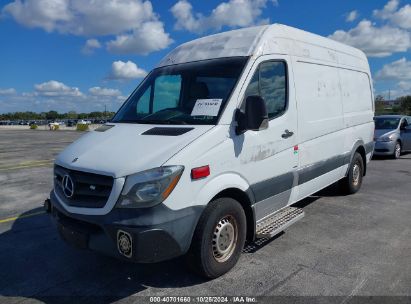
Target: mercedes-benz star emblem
pixel 68 186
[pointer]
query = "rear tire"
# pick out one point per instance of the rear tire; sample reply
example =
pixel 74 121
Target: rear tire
pixel 353 181
pixel 397 150
pixel 218 239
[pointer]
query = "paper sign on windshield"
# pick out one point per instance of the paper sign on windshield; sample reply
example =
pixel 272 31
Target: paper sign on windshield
pixel 206 107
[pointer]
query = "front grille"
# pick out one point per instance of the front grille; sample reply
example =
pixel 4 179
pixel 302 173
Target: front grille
pixel 90 190
pixel 382 150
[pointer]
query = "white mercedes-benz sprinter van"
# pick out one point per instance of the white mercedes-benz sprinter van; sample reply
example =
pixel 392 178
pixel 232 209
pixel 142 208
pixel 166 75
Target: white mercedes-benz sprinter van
pixel 215 146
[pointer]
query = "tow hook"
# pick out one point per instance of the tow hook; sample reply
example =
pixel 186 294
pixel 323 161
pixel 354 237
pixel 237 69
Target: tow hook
pixel 47 205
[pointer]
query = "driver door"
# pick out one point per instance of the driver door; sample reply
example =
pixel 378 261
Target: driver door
pixel 269 158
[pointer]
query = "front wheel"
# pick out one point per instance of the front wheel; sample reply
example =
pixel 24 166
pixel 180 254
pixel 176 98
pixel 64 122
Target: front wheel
pixel 353 181
pixel 218 239
pixel 397 150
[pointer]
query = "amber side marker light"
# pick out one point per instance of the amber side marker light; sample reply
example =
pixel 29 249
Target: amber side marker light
pixel 171 187
pixel 200 172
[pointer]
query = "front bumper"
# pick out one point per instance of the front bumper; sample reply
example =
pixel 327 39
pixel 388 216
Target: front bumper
pixel 384 148
pixel 158 233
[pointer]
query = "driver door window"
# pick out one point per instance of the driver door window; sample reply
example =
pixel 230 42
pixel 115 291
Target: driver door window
pixel 269 82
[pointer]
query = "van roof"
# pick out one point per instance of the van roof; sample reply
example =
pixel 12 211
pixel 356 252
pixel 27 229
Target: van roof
pixel 266 39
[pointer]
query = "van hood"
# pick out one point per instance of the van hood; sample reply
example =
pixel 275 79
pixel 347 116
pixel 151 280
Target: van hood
pixel 124 149
pixel 383 132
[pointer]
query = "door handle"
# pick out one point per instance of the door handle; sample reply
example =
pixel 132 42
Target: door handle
pixel 287 134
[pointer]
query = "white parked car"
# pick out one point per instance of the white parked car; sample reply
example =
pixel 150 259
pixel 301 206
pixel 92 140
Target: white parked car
pixel 84 122
pixel 216 145
pixel 54 125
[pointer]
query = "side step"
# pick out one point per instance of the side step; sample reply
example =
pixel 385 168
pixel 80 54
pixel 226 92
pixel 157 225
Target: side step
pixel 277 222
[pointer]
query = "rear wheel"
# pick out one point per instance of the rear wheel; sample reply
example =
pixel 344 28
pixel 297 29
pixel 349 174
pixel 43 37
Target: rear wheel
pixel 218 239
pixel 397 150
pixel 353 181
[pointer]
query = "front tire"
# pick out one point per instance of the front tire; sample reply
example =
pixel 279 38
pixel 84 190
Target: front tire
pixel 397 150
pixel 353 181
pixel 218 239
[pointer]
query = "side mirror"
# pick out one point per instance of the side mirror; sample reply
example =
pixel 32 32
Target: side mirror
pixel 255 117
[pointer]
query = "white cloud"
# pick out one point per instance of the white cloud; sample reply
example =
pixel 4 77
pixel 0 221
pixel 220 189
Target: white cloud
pixel 98 91
pixel 91 45
pixel 397 76
pixel 46 14
pixel 122 19
pixel 391 94
pixel 121 70
pixel 388 9
pixel 81 17
pixel 397 70
pixel 9 91
pixel 398 16
pixel 403 17
pixel 54 95
pixel 351 16
pixel 54 88
pixel 183 12
pixel 397 90
pixel 149 37
pixel 375 41
pixel 61 104
pixel 404 85
pixel 233 13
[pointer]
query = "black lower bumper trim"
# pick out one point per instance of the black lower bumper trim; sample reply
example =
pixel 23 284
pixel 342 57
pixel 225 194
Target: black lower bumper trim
pixel 151 242
pixel 71 236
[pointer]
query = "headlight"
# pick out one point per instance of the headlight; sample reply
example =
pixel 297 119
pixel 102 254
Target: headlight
pixel 386 138
pixel 149 188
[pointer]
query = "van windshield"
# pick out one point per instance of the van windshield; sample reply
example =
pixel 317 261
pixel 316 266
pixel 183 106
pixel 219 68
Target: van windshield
pixel 188 93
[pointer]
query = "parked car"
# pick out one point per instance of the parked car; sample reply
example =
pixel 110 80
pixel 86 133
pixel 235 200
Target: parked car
pixel 54 125
pixel 392 135
pixel 84 122
pixel 216 145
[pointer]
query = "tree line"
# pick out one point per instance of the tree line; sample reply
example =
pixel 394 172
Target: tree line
pixel 54 115
pixel 403 107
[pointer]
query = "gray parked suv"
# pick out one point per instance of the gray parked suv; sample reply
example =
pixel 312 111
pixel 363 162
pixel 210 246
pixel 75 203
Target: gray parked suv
pixel 392 135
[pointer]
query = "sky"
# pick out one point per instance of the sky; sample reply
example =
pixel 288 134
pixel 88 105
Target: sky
pixel 88 55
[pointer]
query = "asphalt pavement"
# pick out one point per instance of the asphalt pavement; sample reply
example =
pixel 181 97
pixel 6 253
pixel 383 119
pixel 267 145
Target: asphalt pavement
pixel 344 247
